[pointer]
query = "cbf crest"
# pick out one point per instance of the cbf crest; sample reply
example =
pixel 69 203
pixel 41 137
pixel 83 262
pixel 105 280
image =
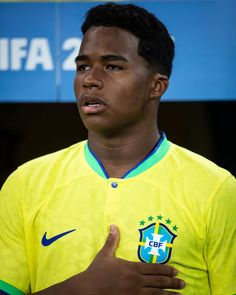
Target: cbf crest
pixel 156 240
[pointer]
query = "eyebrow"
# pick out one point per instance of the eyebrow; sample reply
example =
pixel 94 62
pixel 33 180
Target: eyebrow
pixel 109 57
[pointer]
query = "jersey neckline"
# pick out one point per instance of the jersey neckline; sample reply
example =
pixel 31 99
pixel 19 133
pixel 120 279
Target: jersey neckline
pixel 157 153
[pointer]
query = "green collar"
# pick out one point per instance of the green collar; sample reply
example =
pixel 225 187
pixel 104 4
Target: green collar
pixel 158 152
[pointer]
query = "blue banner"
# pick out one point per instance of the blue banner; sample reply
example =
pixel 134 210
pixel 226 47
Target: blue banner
pixel 39 41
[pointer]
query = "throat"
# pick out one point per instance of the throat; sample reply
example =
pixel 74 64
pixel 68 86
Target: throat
pixel 119 159
pixel 117 170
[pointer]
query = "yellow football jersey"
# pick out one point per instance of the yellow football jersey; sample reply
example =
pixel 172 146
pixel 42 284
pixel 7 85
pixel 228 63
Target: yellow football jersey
pixel 174 207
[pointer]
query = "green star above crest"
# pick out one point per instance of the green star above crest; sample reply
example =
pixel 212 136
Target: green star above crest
pixel 175 227
pixel 142 222
pixel 159 217
pixel 150 218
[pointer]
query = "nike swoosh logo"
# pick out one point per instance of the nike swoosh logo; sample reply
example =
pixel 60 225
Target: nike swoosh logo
pixel 46 242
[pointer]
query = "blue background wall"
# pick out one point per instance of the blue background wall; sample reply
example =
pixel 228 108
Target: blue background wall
pixel 38 43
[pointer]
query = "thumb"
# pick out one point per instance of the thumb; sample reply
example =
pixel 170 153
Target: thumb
pixel 111 243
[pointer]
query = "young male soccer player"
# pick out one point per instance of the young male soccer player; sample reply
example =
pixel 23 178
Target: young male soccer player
pixel 169 208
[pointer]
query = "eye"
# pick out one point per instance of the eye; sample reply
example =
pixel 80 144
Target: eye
pixel 113 67
pixel 82 68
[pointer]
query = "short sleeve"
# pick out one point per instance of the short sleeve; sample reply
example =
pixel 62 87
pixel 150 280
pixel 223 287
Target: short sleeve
pixel 14 273
pixel 220 246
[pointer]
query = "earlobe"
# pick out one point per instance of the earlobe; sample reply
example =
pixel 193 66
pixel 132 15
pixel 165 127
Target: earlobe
pixel 159 85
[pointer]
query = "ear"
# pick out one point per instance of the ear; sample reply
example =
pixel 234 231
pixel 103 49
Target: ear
pixel 159 85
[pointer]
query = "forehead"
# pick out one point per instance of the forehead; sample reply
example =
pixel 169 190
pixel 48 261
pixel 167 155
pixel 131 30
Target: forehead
pixel 109 40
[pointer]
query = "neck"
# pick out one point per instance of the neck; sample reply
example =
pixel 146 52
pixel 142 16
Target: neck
pixel 120 153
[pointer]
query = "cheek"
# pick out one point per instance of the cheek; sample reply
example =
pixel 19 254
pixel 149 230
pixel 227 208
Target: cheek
pixel 133 91
pixel 130 86
pixel 76 86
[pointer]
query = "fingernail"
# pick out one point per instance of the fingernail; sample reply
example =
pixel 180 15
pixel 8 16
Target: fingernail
pixel 175 272
pixel 111 228
pixel 182 284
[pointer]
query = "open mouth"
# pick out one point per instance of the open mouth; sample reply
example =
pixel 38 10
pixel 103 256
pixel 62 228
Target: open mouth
pixel 92 105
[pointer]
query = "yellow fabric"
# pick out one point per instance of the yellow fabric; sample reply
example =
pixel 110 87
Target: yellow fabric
pixel 60 192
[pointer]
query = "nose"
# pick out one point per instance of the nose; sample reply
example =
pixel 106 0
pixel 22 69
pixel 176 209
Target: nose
pixel 93 79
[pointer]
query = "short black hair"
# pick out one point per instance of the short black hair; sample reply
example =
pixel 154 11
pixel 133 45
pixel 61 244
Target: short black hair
pixel 155 42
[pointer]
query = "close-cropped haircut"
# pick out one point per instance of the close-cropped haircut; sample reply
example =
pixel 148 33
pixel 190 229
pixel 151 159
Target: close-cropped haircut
pixel 155 43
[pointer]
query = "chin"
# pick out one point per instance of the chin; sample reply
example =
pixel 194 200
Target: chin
pixel 96 125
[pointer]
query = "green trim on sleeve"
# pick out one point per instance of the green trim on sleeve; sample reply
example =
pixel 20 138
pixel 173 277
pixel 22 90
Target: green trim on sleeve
pixel 10 289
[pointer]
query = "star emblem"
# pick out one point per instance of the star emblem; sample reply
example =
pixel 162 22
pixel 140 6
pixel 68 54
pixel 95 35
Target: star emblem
pixel 175 227
pixel 150 218
pixel 142 222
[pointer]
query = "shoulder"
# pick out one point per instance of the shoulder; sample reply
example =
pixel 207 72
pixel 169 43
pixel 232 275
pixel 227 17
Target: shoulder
pixel 199 183
pixel 199 177
pixel 61 157
pixel 195 165
pixel 63 154
pixel 46 168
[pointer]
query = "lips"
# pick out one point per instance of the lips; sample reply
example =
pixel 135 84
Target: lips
pixel 91 104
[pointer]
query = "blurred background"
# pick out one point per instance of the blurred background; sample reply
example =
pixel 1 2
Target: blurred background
pixel 38 44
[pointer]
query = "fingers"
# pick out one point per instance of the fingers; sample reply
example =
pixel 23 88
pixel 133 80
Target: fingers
pixel 111 243
pixel 154 291
pixel 155 269
pixel 162 282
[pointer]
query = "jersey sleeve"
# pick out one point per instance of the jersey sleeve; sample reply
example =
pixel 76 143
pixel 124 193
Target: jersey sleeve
pixel 14 273
pixel 220 246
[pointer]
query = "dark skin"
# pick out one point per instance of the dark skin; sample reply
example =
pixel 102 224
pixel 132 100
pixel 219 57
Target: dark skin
pixel 124 132
pixel 118 96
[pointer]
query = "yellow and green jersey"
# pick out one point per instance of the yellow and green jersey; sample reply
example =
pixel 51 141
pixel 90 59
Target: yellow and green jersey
pixel 174 207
